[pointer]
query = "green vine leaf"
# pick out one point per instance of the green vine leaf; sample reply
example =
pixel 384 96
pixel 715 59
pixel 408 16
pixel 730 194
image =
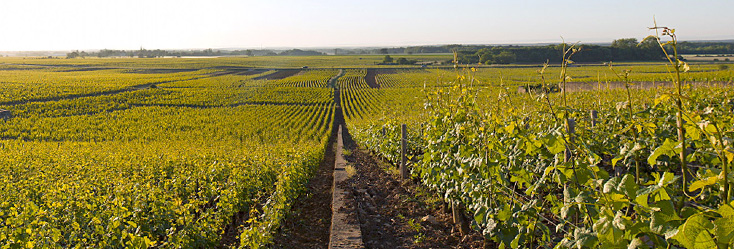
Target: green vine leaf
pixel 695 233
pixel 724 226
pixel 667 148
pixel 703 183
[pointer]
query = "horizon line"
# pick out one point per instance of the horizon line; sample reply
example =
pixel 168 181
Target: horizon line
pixel 347 46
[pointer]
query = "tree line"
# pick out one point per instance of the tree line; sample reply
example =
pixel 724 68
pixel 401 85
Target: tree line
pixel 145 53
pixel 620 50
pixel 627 49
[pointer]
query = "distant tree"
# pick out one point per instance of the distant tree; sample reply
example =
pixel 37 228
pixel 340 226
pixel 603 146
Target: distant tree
pixel 485 56
pixel 467 57
pixel 505 57
pixel 649 50
pixel 387 59
pixel 383 51
pixel 298 52
pixel 404 61
pixel 248 52
pixel 72 55
pixel 624 43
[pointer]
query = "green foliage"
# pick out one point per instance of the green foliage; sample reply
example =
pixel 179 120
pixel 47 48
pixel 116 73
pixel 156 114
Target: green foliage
pixel 404 61
pixel 501 155
pixel 97 159
pixel 88 165
pixel 625 43
pixel 418 229
pixel 495 55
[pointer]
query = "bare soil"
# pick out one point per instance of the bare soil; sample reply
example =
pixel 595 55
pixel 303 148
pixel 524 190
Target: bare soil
pixel 371 78
pixel 308 223
pixel 85 69
pixel 372 73
pixel 391 212
pixel 230 237
pixel 159 70
pixel 250 72
pixel 280 74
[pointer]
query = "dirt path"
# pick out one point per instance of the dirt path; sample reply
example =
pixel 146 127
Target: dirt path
pixel 400 214
pixel 391 213
pixel 332 84
pixel 280 74
pixel 371 78
pixel 308 223
pixel 345 232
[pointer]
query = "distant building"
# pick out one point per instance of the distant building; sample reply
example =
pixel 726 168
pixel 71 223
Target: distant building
pixel 5 114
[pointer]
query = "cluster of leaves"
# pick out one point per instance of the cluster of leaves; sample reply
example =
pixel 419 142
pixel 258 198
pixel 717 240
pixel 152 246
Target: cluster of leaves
pixel 134 194
pixel 510 169
pixel 384 139
pixel 511 160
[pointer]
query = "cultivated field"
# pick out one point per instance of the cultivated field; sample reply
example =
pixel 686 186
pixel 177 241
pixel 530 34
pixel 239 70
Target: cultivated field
pixel 213 152
pixel 710 57
pixel 118 157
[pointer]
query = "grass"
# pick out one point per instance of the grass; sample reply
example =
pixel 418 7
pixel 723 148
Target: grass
pixel 416 226
pixel 351 171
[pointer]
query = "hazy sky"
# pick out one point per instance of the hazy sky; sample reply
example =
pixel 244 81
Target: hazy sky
pixel 97 24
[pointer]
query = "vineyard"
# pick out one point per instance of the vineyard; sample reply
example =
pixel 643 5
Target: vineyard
pixel 116 158
pixel 596 166
pixel 199 153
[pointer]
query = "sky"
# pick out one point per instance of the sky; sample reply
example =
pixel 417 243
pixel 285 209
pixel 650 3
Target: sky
pixel 45 25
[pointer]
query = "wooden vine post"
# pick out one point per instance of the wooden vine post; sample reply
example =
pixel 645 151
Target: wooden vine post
pixel 457 210
pixel 594 115
pixel 570 129
pixel 403 148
